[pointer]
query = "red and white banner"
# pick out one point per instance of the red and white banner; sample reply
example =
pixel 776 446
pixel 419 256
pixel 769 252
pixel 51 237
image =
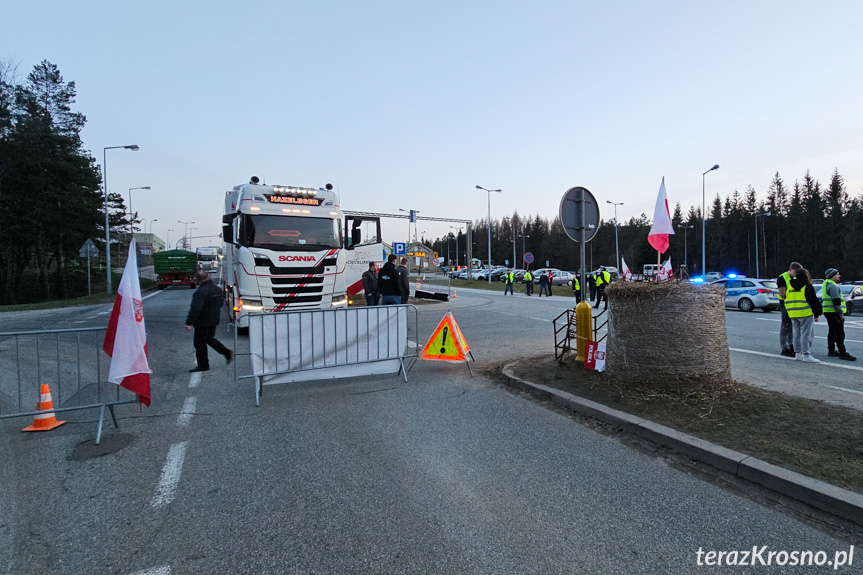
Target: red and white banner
pixel 126 337
pixel 666 272
pixel 662 227
pixel 594 356
pixel 627 275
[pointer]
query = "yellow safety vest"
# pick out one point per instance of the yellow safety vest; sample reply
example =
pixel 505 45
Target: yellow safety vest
pixel 602 277
pixel 796 304
pixel 787 277
pixel 528 277
pixel 575 285
pixel 827 303
pixel 509 277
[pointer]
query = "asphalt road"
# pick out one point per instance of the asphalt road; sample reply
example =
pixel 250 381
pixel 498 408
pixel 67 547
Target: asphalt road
pixel 444 474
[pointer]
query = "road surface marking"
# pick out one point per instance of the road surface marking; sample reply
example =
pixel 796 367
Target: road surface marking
pixel 825 337
pixel 163 570
pixel 853 324
pixel 152 294
pixel 188 411
pixel 195 379
pixel 777 356
pixel 170 475
pixel 844 389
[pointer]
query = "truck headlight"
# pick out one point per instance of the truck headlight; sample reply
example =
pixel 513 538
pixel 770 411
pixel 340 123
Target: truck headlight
pixel 339 301
pixel 252 305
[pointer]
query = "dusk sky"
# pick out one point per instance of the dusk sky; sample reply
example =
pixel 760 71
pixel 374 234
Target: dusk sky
pixel 411 105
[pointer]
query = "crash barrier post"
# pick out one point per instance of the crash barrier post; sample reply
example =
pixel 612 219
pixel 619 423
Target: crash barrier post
pixel 598 326
pixel 70 361
pixel 287 347
pixel 433 285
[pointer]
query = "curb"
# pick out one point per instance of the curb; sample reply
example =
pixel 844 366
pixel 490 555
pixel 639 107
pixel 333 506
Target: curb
pixel 814 492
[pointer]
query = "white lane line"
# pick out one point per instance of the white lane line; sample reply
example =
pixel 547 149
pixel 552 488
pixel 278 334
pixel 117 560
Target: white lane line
pixel 852 325
pixel 152 294
pixel 845 389
pixel 188 411
pixel 170 475
pixel 194 379
pixel 777 356
pixel 163 570
pixel 825 337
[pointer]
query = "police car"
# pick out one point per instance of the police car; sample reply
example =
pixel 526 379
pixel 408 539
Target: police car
pixel 746 294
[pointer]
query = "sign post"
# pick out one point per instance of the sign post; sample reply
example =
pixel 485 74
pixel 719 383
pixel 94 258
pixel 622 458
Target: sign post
pixel 88 249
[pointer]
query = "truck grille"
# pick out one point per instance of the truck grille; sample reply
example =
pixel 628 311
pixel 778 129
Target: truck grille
pixel 298 299
pixel 298 290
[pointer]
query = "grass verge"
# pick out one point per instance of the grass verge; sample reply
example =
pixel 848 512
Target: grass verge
pixel 93 299
pixel 807 436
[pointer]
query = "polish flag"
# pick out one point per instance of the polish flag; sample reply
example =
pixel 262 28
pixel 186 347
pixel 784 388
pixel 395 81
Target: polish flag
pixel 627 275
pixel 126 338
pixel 662 227
pixel 665 272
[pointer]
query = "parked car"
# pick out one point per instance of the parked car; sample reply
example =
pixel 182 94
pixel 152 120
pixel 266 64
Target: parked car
pixel 541 271
pixel 499 274
pixel 712 277
pixel 853 297
pixel 746 294
pixel 562 278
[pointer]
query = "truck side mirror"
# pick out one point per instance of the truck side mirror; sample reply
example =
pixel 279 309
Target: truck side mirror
pixel 228 229
pixel 356 236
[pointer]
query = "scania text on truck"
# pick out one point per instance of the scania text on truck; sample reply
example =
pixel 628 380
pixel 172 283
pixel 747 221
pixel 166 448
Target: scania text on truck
pixel 285 249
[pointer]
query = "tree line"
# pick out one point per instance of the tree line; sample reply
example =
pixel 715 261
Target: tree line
pixel 820 226
pixel 50 197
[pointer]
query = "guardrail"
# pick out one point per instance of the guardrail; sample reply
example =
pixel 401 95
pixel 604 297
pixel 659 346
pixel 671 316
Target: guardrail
pixel 434 282
pixel 70 361
pixel 565 328
pixel 286 347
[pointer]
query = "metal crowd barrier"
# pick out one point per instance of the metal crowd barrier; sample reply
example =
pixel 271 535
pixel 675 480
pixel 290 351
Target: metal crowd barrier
pixel 286 347
pixel 436 282
pixel 70 361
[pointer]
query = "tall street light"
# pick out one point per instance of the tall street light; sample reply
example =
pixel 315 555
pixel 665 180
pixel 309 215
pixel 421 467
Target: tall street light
pixel 685 261
pixel 704 223
pixel 168 239
pixel 185 233
pixel 134 148
pixel 189 239
pixel 757 271
pixel 489 226
pixel 616 244
pixel 151 225
pixel 523 249
pixel 458 232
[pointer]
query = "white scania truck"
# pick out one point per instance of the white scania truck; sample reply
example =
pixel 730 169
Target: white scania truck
pixel 290 248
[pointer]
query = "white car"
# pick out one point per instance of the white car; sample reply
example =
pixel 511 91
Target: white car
pixel 746 294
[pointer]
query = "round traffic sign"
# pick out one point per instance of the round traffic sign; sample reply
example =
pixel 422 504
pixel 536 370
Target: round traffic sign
pixel 528 257
pixel 570 213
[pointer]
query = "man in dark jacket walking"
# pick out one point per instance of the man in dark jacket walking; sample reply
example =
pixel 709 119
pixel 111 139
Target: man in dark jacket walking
pixel 203 318
pixel 388 283
pixel 370 285
pixel 404 280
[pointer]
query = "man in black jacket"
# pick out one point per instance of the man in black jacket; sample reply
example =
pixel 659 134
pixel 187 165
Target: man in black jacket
pixel 404 280
pixel 388 283
pixel 204 317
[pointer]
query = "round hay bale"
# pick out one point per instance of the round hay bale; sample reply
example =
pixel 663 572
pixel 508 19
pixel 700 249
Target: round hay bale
pixel 667 333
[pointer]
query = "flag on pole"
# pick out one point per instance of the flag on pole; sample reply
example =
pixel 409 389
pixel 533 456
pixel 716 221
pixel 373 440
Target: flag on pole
pixel 662 227
pixel 627 275
pixel 665 272
pixel 126 338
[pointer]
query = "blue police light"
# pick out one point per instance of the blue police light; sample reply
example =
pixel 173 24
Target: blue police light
pixel 732 275
pixel 697 280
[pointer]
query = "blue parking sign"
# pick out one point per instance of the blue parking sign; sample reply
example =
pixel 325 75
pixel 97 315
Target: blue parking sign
pixel 400 248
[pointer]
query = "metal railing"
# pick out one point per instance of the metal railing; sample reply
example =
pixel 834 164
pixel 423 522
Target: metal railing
pixel 70 361
pixel 565 328
pixel 285 347
pixel 435 282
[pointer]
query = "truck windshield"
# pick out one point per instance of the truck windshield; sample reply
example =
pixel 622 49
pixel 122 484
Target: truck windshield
pixel 286 233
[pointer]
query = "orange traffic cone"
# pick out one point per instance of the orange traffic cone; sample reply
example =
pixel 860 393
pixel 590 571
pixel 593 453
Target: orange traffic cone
pixel 45 420
pixel 454 296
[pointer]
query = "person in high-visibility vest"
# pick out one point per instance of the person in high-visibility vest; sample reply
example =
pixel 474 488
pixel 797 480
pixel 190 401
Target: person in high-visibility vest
pixel 576 288
pixel 786 331
pixel 509 278
pixel 528 282
pixel 603 278
pixel 834 312
pixel 803 308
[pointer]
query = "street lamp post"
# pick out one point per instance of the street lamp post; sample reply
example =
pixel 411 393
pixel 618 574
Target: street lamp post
pixel 489 226
pixel 616 244
pixel 704 223
pixel 132 214
pixel 150 231
pixel 458 231
pixel 168 239
pixel 185 233
pixel 757 270
pixel 189 239
pixel 134 148
pixel 685 260
pixel 523 248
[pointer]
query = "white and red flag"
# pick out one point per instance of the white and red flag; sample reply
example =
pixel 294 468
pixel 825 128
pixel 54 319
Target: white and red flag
pixel 126 338
pixel 627 275
pixel 665 272
pixel 662 227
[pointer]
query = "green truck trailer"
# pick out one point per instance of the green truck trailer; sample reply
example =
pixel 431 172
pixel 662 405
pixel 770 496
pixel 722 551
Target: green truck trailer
pixel 175 267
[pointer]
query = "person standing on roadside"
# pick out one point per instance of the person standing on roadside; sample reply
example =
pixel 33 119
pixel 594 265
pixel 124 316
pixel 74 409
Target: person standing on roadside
pixel 528 282
pixel 509 278
pixel 203 317
pixel 370 284
pixel 786 331
pixel 834 312
pixel 576 288
pixel 404 280
pixel 550 282
pixel 543 283
pixel 591 285
pixel 603 278
pixel 803 309
pixel 388 283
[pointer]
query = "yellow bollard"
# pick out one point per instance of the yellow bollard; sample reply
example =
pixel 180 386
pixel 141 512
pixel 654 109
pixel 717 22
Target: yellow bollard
pixel 584 328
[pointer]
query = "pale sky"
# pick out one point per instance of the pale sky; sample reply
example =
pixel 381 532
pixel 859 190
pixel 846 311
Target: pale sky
pixel 411 105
